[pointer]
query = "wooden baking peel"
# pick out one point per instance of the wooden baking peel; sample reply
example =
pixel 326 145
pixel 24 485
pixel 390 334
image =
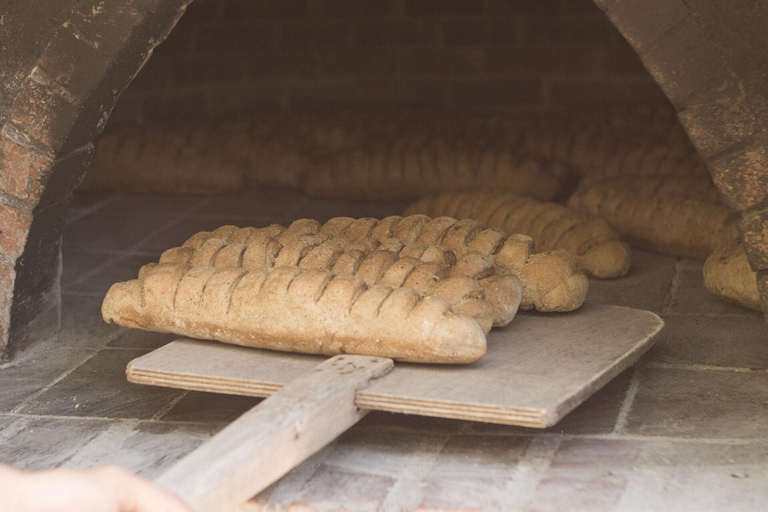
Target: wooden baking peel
pixel 537 369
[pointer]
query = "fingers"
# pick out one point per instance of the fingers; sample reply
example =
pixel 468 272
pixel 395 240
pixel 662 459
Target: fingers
pixel 136 494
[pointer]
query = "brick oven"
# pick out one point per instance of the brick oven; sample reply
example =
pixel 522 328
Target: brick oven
pixel 65 64
pixel 683 429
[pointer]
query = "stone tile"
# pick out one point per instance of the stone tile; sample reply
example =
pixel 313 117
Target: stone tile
pixel 150 204
pixel 87 200
pixel 75 264
pixel 34 370
pixel 6 421
pixel 692 298
pixel 576 493
pixel 324 209
pixel 13 391
pixel 661 474
pixel 697 489
pixel 146 448
pixel 330 487
pixel 467 492
pixel 99 388
pixel 462 455
pixel 276 203
pixel 120 269
pixel 147 340
pixel 620 455
pixel 210 407
pixel 738 341
pixel 82 325
pixel 700 404
pixel 383 453
pixel 46 443
pixel 99 233
pixel 645 286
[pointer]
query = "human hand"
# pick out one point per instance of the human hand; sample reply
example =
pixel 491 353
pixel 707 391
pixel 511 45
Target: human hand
pixel 100 489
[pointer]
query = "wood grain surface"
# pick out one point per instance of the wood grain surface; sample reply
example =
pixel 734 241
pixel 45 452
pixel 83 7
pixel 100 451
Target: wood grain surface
pixel 277 435
pixel 537 369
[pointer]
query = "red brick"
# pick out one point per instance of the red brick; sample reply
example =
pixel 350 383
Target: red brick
pixel 21 171
pixel 762 287
pixel 43 114
pixel 754 233
pixel 14 226
pixel 743 179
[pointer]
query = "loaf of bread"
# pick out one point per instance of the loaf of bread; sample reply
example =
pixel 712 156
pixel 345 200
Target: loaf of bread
pixel 727 273
pixel 295 310
pixel 408 167
pixel 203 157
pixel 595 245
pixel 551 281
pixel 472 284
pixel 667 224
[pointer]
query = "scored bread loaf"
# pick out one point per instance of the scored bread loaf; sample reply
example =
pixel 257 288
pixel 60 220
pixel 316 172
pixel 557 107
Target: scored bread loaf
pixel 727 273
pixel 295 310
pixel 551 281
pixel 408 167
pixel 594 244
pixel 472 284
pixel 667 224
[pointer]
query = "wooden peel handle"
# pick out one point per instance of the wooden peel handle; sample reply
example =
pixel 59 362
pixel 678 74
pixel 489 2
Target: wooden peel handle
pixel 268 441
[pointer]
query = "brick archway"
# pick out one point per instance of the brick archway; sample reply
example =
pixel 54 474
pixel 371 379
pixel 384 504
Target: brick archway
pixel 63 67
pixel 709 60
pixel 68 61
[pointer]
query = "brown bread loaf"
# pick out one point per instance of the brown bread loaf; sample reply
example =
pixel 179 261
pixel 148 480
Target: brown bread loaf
pixel 551 282
pixel 594 244
pixel 204 157
pixel 727 274
pixel 475 284
pixel 295 310
pixel 667 224
pixel 408 167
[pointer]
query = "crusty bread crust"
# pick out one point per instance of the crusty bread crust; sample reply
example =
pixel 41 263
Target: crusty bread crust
pixel 295 310
pixel 593 243
pixel 727 274
pixel 463 248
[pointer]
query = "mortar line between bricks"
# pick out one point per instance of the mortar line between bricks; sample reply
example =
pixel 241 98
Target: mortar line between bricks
pixel 406 493
pixel 629 400
pixel 674 285
pixel 702 367
pixel 91 209
pixel 529 472
pixel 108 419
pixel 34 396
pixel 127 253
pixel 167 407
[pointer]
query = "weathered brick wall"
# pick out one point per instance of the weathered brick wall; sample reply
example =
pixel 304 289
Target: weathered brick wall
pixel 239 56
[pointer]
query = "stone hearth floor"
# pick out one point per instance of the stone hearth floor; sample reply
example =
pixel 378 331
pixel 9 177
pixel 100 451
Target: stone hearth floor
pixel 685 429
